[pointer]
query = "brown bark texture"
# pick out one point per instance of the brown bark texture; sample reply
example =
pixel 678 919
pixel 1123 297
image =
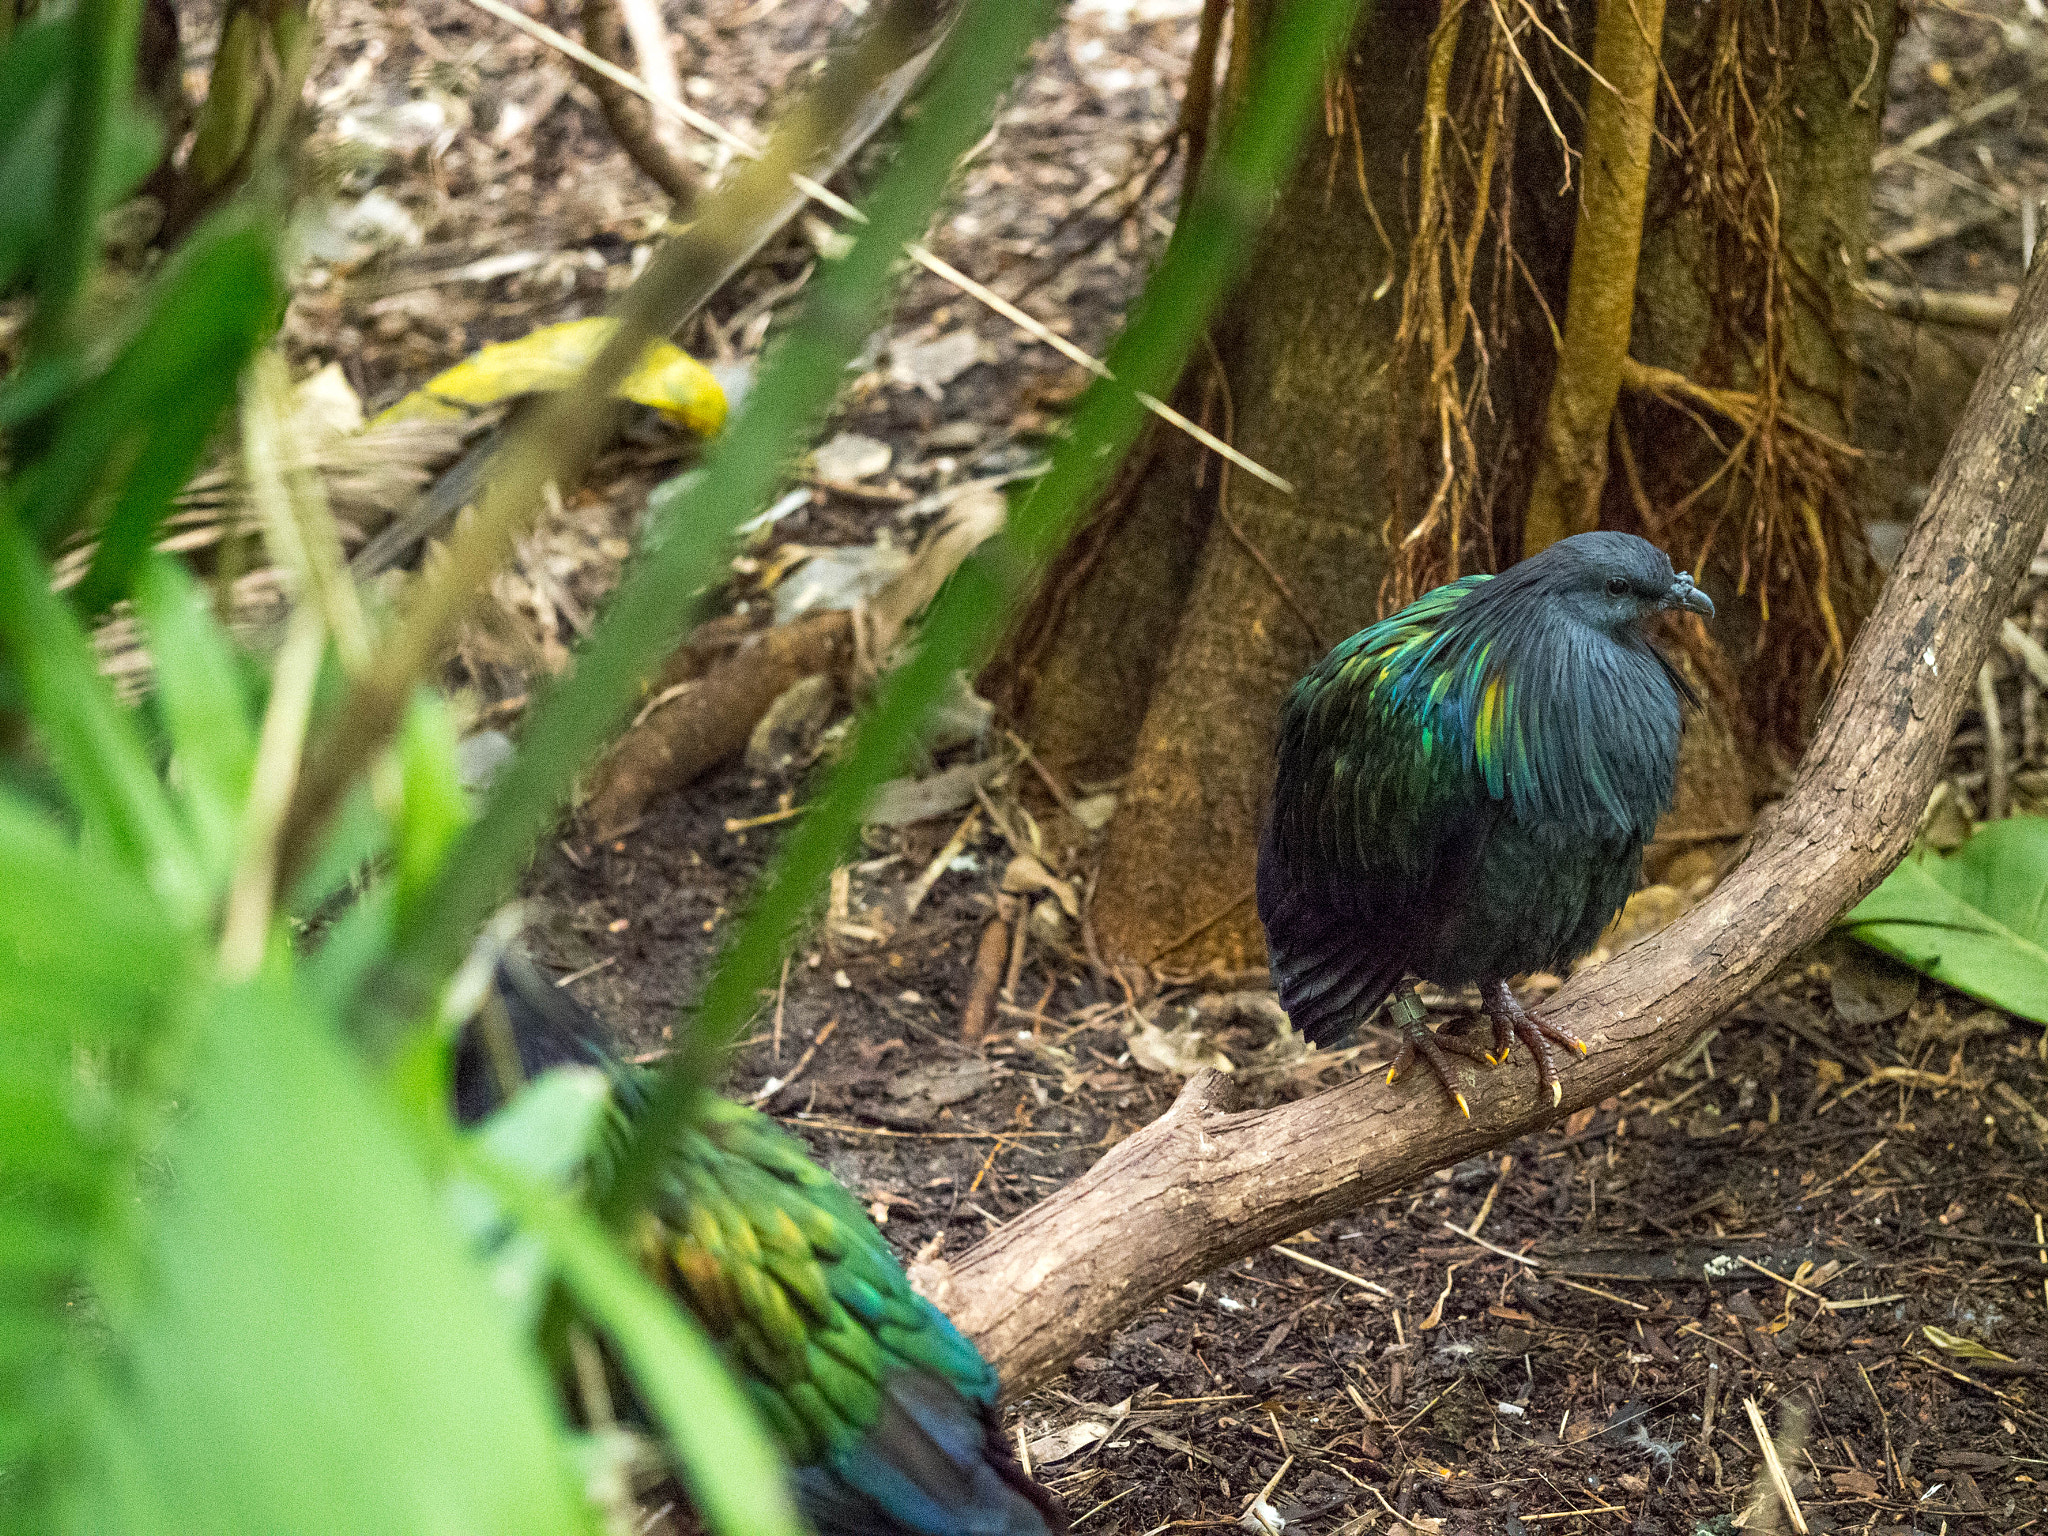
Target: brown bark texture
pixel 1601 304
pixel 1300 381
pixel 1759 213
pixel 1199 1188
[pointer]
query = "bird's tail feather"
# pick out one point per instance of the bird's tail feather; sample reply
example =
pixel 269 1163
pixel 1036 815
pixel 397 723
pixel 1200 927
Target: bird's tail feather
pixel 549 1028
pixel 935 1464
pixel 1328 978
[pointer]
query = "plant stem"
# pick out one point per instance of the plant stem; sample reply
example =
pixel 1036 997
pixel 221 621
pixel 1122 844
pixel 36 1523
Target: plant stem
pixel 1600 305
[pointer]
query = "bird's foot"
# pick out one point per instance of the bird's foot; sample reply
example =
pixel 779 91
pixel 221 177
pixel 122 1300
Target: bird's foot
pixel 1511 1022
pixel 1418 1039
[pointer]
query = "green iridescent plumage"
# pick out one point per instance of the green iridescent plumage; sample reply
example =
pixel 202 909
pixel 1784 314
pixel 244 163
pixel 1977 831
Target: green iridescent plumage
pixel 1463 790
pixel 886 1412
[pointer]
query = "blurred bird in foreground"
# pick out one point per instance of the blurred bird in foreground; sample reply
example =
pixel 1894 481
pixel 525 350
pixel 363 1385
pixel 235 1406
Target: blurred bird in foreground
pixel 886 1411
pixel 1463 793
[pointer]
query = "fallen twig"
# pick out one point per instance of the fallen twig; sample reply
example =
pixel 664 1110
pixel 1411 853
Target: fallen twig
pixel 1772 1466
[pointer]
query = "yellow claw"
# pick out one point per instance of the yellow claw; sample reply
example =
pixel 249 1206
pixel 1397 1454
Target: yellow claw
pixel 1580 1046
pixel 1556 1094
pixel 1463 1108
pixel 1390 1076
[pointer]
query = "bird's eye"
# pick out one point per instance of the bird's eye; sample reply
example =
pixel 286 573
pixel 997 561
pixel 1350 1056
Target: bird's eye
pixel 1616 586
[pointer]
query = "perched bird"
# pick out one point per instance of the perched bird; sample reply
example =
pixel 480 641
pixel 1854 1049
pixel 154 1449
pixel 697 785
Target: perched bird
pixel 1463 791
pixel 886 1411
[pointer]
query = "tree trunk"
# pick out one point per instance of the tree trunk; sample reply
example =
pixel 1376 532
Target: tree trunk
pixel 1164 644
pixel 1215 591
pixel 1746 284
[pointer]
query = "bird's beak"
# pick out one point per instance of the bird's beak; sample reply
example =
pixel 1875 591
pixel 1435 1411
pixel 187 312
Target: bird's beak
pixel 1684 594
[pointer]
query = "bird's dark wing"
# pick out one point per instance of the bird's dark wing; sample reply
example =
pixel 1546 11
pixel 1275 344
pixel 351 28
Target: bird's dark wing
pixel 1378 819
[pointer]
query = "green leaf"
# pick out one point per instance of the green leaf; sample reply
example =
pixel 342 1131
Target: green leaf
pixel 433 809
pixel 96 133
pixel 124 444
pixel 32 78
pixel 312 1347
pixel 1975 920
pixel 93 963
pixel 548 1133
pixel 205 709
pixel 93 742
pixel 736 1479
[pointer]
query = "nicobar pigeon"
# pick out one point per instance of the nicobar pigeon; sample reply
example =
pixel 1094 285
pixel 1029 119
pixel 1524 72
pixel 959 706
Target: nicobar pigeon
pixel 1463 791
pixel 887 1413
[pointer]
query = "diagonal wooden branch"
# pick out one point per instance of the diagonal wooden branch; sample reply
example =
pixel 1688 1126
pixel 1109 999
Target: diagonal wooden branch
pixel 1199 1187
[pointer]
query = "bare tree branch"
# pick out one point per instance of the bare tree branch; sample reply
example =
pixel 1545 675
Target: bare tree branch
pixel 1199 1188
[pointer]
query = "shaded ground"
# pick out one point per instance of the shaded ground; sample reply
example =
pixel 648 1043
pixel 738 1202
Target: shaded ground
pixel 1560 1389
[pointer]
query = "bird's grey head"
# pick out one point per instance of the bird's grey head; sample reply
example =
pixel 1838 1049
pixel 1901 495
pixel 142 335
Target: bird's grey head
pixel 1612 581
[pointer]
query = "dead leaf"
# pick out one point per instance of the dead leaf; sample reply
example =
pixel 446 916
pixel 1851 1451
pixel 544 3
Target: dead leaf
pixel 1857 1482
pixel 1869 988
pixel 900 802
pixel 850 456
pixel 1960 1347
pixel 1178 1052
pixel 1026 873
pixel 945 1082
pixel 968 522
pixel 1062 1443
pixel 931 365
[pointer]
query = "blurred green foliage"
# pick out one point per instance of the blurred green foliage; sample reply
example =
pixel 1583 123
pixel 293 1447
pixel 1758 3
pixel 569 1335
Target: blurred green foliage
pixel 252 1278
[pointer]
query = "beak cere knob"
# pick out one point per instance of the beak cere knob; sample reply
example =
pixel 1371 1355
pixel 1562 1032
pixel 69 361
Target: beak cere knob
pixel 1689 597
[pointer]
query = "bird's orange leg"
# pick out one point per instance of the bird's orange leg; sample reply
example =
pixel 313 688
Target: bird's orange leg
pixel 1417 1039
pixel 1510 1019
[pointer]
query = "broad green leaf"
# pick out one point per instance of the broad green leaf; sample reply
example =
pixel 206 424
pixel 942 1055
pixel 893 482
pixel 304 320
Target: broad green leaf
pixel 89 968
pixel 33 78
pixel 86 953
pixel 548 1133
pixel 313 1348
pixel 736 1479
pixel 1975 919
